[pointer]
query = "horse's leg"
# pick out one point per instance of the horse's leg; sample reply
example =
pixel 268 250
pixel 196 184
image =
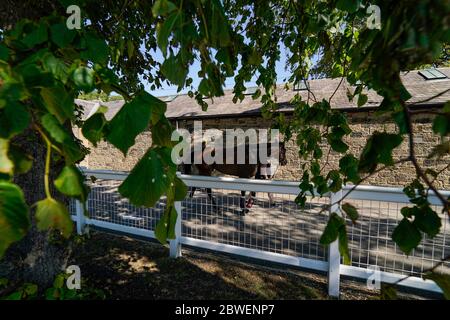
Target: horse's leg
pixel 242 203
pixel 251 200
pixel 257 175
pixel 271 199
pixel 209 191
pixel 191 194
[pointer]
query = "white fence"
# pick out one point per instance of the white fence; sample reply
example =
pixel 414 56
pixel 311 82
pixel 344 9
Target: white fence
pixel 277 231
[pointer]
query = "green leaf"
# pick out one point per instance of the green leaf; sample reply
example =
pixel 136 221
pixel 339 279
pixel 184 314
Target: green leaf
pixel 315 168
pixel 338 145
pixel 14 218
pixel 61 35
pixel 442 280
pixel 30 289
pixel 446 108
pixel 331 231
pixel 406 236
pixel 255 58
pixel 15 295
pixel 441 125
pixel 404 93
pixel 378 149
pixel 51 214
pixel 300 200
pixel 351 211
pixel 336 181
pixel 204 88
pixel 428 221
pixel 440 150
pixel 11 91
pixel 165 229
pixel 150 178
pixel 84 79
pixel 22 161
pixel 14 118
pixel 162 133
pixel 348 5
pixel 35 77
pixel 71 183
pixel 60 135
pixel 180 189
pixel 133 118
pixel 163 7
pixel 335 139
pixel 93 128
pixel 165 30
pixel 6 165
pixel 55 66
pixel 362 99
pixel 4 52
pixel 130 48
pixel 349 166
pixel 59 281
pixel 96 49
pixel 37 36
pixel 408 212
pixel 54 128
pixel 174 70
pixel 58 102
pixel 401 121
pixel 343 245
pixel 220 26
pixel 335 229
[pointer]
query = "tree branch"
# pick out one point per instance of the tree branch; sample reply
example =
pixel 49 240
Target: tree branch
pixel 413 159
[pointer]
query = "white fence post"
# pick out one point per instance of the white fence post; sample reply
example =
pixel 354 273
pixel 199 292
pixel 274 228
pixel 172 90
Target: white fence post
pixel 175 244
pixel 81 219
pixel 334 258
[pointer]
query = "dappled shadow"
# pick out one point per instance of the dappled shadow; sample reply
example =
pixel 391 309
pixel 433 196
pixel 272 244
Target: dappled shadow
pixel 280 226
pixel 370 240
pixel 126 268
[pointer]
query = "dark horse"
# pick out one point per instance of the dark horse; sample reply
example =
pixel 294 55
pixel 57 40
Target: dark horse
pixel 259 169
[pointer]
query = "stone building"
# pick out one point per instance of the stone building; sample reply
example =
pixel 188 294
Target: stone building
pixel 222 114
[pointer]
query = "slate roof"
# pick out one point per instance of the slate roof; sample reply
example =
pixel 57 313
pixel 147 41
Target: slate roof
pixel 184 107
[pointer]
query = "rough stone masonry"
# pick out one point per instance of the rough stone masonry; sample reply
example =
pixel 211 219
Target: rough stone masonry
pixel 224 114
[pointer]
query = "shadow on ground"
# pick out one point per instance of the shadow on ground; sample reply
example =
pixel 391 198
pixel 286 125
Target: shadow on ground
pixel 126 268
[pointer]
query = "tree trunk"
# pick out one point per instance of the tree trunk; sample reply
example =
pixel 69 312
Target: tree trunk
pixel 40 256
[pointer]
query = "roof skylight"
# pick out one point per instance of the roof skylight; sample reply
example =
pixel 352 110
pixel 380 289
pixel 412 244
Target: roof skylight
pixel 432 74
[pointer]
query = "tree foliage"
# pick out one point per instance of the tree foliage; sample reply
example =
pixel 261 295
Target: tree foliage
pixel 44 66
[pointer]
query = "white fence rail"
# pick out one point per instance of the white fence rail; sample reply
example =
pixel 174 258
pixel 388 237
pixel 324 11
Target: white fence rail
pixel 277 231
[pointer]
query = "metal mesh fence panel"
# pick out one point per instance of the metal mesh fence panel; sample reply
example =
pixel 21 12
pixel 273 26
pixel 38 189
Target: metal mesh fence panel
pixel 278 226
pixel 371 244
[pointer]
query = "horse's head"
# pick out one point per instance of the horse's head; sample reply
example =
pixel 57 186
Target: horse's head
pixel 282 154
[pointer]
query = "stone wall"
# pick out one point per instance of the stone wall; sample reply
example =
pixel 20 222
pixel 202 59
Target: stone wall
pixel 106 156
pixel 363 124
